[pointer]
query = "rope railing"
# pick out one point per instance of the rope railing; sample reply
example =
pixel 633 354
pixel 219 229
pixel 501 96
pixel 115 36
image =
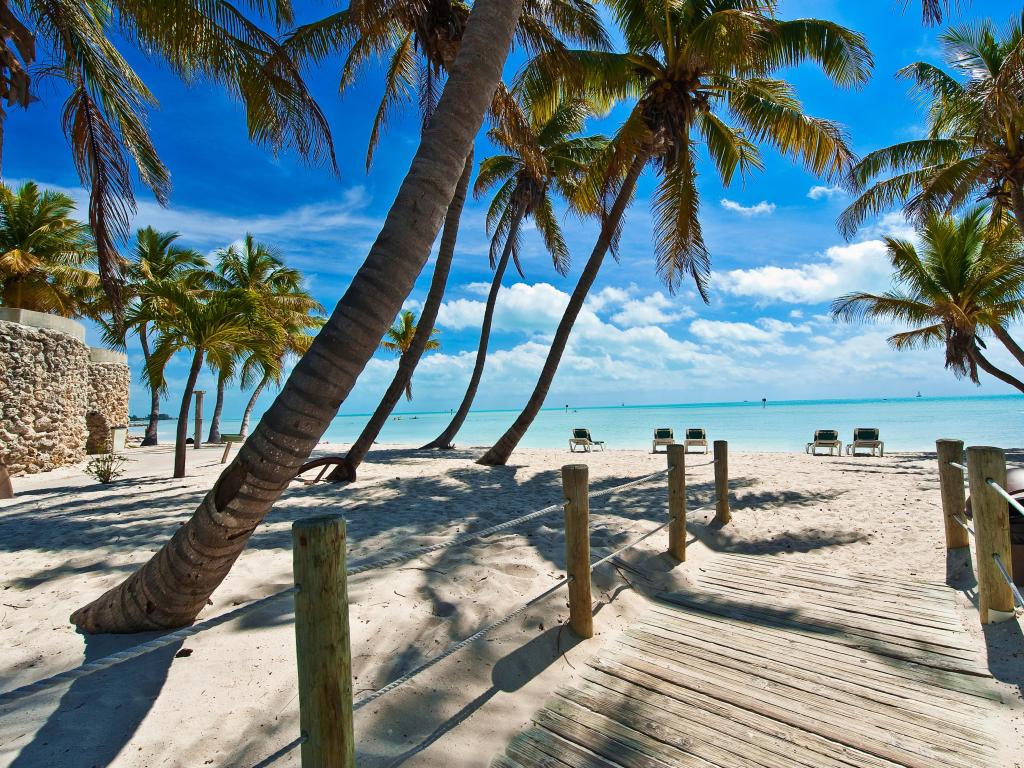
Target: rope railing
pixel 1014 504
pixel 1009 580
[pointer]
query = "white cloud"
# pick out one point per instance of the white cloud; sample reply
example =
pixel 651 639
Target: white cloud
pixel 526 308
pixel 764 208
pixel 842 268
pixel 826 193
pixel 610 296
pixel 724 331
pixel 655 309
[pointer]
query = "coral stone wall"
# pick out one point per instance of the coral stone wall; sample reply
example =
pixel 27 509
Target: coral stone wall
pixel 43 397
pixel 109 382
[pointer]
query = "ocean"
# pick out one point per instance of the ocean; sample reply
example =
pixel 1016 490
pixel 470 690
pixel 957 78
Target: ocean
pixel 906 424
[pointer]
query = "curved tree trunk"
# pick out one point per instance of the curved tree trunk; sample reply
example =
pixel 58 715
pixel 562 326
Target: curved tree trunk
pixel 501 450
pixel 243 430
pixel 151 437
pixel 1000 374
pixel 1017 200
pixel 1008 341
pixel 174 585
pixel 402 382
pixel 218 409
pixel 444 440
pixel 186 400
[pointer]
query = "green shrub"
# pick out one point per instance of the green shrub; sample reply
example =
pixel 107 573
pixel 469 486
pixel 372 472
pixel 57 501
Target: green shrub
pixel 106 468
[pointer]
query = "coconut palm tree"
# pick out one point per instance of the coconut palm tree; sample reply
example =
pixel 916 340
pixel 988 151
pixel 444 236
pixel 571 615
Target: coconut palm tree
pixel 45 254
pixel 157 260
pixel 964 282
pixel 420 40
pixel 398 340
pixel 687 64
pixel 256 270
pixel 545 158
pixel 105 110
pixel 172 587
pixel 975 143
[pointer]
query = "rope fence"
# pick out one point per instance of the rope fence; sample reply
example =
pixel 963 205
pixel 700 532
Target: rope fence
pixel 991 505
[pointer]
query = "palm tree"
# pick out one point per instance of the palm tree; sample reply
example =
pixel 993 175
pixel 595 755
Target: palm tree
pixel 105 111
pixel 256 270
pixel 686 63
pixel 398 340
pixel 172 587
pixel 967 280
pixel 156 260
pixel 545 157
pixel 975 143
pixel 45 254
pixel 420 40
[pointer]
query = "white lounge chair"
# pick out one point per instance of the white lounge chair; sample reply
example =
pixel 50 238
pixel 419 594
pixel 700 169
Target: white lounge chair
pixel 581 439
pixel 696 437
pixel 662 436
pixel 866 439
pixel 825 438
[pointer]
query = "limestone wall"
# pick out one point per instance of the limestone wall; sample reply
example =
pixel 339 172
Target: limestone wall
pixel 43 397
pixel 56 395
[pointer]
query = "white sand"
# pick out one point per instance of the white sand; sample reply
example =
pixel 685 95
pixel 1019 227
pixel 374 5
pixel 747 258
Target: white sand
pixel 232 701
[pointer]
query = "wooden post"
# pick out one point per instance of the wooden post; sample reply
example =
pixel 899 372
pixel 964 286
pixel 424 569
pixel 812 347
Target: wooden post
pixel 677 502
pixel 575 482
pixel 197 438
pixel 6 489
pixel 991 530
pixel 722 512
pixel 951 486
pixel 227 450
pixel 322 643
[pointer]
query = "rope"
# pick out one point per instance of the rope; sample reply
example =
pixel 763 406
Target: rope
pixel 1013 587
pixel 618 552
pixel 958 465
pixel 630 484
pixel 962 523
pixel 1002 492
pixel 134 652
pixel 456 647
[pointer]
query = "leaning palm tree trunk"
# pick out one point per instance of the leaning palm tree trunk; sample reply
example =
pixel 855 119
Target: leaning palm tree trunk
pixel 243 430
pixel 1009 342
pixel 186 400
pixel 173 586
pixel 151 436
pixel 983 363
pixel 501 450
pixel 402 381
pixel 444 440
pixel 218 409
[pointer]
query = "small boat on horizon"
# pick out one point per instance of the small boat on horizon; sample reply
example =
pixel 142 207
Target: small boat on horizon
pixel 918 393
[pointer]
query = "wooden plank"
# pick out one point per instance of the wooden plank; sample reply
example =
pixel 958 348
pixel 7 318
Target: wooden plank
pixel 534 748
pixel 751 725
pixel 502 761
pixel 890 745
pixel 924 697
pixel 955 735
pixel 833 652
pixel 874 641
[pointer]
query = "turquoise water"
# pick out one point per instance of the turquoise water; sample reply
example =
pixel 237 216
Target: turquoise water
pixel 907 424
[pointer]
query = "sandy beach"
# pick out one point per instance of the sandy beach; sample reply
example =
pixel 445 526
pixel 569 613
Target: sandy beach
pixel 227 696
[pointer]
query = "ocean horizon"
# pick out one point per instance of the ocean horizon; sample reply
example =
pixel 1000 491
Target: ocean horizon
pixel 906 423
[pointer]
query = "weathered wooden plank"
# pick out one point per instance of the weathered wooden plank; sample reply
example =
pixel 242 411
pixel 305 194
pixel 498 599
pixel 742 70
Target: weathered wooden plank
pixel 537 748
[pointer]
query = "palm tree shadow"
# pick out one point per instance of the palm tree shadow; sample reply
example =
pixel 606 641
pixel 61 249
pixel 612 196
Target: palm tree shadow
pixel 97 715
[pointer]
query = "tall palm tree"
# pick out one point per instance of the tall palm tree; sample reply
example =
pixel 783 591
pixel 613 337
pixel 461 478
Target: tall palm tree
pixel 420 39
pixel 686 64
pixel 157 260
pixel 398 340
pixel 544 158
pixel 256 270
pixel 172 587
pixel 105 111
pixel 975 143
pixel 45 254
pixel 965 281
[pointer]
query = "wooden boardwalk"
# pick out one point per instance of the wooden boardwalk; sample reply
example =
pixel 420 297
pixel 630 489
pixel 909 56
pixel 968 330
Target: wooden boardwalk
pixel 769 662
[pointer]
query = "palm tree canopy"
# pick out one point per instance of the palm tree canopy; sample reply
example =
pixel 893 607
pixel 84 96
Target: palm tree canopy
pixel 399 336
pixel 688 65
pixel 965 279
pixel 975 142
pixel 419 39
pixel 541 155
pixel 45 253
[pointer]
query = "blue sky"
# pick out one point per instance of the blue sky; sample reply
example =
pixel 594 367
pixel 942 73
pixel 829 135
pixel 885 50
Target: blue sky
pixel 778 258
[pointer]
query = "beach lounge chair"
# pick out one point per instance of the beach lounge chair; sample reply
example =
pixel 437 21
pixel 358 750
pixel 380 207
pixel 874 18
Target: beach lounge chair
pixel 825 438
pixel 662 436
pixel 695 438
pixel 581 439
pixel 866 439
